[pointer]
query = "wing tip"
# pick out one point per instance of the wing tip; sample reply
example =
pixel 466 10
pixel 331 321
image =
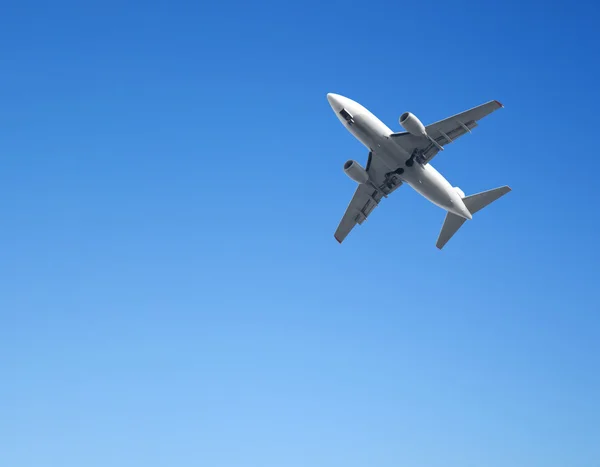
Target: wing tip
pixel 337 239
pixel 499 103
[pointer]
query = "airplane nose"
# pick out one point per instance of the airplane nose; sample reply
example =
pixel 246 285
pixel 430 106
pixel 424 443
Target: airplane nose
pixel 334 101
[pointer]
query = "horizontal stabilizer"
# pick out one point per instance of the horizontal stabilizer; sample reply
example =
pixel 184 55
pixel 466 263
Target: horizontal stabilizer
pixel 480 200
pixel 451 225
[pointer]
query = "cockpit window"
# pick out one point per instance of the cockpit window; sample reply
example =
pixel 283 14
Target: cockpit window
pixel 347 115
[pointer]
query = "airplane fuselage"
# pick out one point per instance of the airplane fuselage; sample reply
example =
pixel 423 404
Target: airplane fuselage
pixel 375 135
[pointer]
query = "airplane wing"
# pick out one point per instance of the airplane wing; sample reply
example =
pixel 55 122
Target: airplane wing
pixel 445 131
pixel 367 197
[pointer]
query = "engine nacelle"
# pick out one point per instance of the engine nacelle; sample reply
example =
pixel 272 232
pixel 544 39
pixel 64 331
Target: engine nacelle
pixel 356 172
pixel 459 191
pixel 412 124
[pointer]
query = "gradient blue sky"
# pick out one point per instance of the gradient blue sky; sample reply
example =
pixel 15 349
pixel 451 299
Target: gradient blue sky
pixel 172 293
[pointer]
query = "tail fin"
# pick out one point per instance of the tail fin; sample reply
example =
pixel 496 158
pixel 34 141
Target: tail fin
pixel 473 203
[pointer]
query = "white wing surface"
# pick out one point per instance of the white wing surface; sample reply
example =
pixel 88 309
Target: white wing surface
pixel 367 196
pixel 445 131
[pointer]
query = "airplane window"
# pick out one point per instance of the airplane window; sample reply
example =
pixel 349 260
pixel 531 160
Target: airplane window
pixel 347 116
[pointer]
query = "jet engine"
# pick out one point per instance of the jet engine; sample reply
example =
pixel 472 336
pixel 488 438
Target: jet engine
pixel 356 172
pixel 459 191
pixel 412 124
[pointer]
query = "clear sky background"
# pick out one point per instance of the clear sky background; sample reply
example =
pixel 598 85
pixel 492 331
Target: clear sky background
pixel 171 291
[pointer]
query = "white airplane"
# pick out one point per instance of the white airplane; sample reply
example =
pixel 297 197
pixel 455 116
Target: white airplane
pixel 404 157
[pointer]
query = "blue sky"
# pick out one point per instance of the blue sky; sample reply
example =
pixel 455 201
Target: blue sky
pixel 172 293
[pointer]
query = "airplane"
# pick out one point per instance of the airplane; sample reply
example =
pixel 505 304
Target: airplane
pixel 396 158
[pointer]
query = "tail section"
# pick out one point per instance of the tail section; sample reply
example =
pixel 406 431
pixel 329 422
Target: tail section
pixel 473 203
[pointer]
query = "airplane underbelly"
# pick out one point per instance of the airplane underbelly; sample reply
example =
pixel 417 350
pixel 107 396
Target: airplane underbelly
pixel 371 132
pixel 432 194
pixel 430 185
